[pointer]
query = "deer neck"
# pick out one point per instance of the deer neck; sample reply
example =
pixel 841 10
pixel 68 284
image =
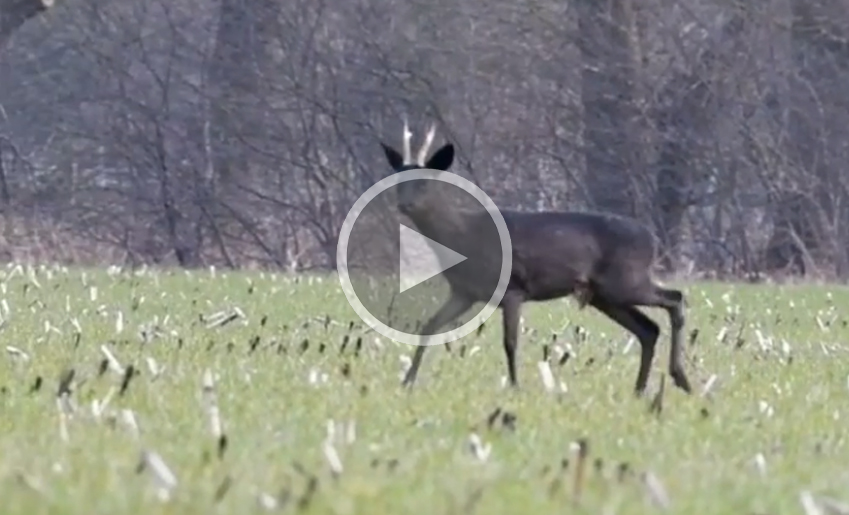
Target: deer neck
pixel 443 224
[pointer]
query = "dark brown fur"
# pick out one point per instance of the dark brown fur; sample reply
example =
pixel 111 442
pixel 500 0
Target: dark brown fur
pixel 602 260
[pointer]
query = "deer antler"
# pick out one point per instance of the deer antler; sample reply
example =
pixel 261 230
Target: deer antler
pixel 407 136
pixel 426 146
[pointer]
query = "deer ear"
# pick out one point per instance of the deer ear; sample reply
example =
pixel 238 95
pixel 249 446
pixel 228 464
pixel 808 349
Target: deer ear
pixel 394 158
pixel 442 159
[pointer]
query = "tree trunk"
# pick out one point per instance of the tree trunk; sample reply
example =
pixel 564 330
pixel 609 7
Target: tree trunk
pixel 236 74
pixel 683 124
pixel 607 82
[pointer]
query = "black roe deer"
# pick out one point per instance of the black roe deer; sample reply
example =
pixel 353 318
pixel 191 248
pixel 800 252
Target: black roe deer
pixel 603 260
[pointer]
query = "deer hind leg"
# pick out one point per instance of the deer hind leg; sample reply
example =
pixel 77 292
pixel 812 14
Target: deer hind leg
pixel 673 301
pixel 644 292
pixel 453 308
pixel 641 326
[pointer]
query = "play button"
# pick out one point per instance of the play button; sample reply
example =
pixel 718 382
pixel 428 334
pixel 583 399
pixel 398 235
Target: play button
pixel 414 241
pixel 422 258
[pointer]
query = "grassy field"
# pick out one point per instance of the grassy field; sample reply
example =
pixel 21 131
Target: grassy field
pixel 772 426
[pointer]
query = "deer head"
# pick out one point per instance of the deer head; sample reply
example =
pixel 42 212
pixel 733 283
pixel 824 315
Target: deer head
pixel 413 196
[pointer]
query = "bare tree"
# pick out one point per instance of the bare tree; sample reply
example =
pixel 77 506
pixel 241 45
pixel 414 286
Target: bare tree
pixel 810 231
pixel 239 133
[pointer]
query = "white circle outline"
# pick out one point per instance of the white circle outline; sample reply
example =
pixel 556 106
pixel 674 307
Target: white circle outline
pixel 348 226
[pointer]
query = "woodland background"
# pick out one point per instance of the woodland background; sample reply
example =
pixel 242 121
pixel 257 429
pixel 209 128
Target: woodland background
pixel 239 132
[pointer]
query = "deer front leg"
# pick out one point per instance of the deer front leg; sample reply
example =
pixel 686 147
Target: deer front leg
pixel 453 308
pixel 582 293
pixel 511 310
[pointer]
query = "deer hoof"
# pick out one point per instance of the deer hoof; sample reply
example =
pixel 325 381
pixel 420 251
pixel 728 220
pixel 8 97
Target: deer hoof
pixel 680 380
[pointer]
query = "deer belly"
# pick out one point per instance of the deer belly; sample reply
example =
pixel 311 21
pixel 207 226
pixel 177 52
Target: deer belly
pixel 553 283
pixel 475 281
pixel 543 294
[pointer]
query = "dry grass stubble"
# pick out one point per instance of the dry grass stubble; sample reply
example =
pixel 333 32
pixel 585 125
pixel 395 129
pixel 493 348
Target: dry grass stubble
pixel 198 392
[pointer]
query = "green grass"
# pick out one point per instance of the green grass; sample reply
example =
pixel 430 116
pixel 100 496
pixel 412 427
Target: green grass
pixel 783 395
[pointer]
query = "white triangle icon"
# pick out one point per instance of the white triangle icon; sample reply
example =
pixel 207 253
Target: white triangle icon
pixel 422 258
